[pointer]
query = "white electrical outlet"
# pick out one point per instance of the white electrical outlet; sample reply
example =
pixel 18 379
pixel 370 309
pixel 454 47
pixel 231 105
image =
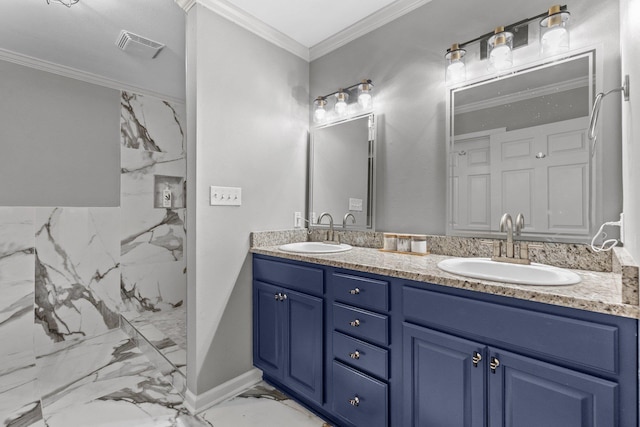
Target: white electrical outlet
pixel 297 220
pixel 226 196
pixel 355 204
pixel 622 227
pixel 314 218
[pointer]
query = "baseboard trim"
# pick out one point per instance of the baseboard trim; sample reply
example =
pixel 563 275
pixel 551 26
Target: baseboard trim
pixel 198 403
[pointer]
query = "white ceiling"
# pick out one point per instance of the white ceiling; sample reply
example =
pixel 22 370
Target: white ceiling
pixel 80 41
pixel 310 22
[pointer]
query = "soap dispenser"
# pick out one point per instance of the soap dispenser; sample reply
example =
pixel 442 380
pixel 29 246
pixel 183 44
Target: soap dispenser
pixel 166 196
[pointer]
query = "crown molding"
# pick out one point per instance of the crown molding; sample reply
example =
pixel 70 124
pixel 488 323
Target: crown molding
pixel 185 4
pixel 376 20
pixel 251 23
pixel 61 70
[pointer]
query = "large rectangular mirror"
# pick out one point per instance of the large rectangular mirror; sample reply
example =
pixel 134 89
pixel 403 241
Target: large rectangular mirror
pixel 341 171
pixel 518 144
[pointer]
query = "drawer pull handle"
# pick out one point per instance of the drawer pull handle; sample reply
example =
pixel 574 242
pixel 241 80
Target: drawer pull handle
pixel 355 323
pixel 355 355
pixel 494 364
pixel 477 357
pixel 355 401
pixel 355 291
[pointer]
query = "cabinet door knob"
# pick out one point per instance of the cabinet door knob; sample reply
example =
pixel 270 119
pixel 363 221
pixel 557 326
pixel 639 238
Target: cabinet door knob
pixel 355 323
pixel 494 364
pixel 277 296
pixel 284 297
pixel 477 357
pixel 355 291
pixel 355 355
pixel 355 401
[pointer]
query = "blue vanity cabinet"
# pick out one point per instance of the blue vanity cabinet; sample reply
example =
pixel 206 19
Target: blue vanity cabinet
pixel 444 379
pixel 360 334
pixel 469 361
pixel 288 326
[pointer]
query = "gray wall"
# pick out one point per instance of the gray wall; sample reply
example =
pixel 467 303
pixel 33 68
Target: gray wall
pixel 630 34
pixel 405 60
pixel 248 127
pixel 58 140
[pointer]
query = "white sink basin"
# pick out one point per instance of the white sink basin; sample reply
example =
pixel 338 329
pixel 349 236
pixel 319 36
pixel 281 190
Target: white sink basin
pixel 533 274
pixel 315 247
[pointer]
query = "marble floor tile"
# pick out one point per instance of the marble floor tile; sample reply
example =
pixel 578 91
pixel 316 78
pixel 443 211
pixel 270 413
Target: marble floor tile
pixel 262 406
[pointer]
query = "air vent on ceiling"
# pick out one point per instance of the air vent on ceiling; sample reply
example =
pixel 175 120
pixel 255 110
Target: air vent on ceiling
pixel 138 45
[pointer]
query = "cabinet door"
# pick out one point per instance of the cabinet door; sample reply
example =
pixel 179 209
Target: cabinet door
pixel 303 339
pixel 442 387
pixel 525 392
pixel 267 329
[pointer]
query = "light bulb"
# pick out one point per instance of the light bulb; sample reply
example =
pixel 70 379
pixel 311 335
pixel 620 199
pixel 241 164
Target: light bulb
pixel 554 32
pixel 364 94
pixel 456 70
pixel 500 53
pixel 501 57
pixel 319 113
pixel 341 103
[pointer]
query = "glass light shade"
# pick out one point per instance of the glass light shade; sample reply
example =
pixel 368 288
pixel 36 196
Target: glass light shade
pixel 319 114
pixel 554 32
pixel 341 103
pixel 456 70
pixel 364 94
pixel 500 46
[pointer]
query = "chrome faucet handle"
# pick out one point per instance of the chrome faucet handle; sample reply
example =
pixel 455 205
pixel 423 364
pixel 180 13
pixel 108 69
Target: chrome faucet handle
pixel 506 224
pixel 519 224
pixel 346 216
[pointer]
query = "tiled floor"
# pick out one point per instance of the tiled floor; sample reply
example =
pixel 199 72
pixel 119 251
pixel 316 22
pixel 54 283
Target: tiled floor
pixel 108 381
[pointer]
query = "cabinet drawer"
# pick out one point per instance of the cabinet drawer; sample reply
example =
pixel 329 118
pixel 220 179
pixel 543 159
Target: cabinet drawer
pixel 359 354
pixel 361 291
pixel 589 344
pixel 359 399
pixel 301 278
pixel 361 323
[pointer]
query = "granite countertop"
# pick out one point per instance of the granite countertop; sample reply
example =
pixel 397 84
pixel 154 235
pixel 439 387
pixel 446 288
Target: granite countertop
pixel 599 292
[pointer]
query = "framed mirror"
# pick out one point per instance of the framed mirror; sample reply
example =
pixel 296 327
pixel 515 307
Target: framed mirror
pixel 341 172
pixel 518 144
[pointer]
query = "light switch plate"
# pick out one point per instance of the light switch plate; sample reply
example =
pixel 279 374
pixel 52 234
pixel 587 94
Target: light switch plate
pixel 226 196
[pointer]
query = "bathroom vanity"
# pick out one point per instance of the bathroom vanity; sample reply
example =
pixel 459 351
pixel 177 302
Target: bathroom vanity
pixel 375 339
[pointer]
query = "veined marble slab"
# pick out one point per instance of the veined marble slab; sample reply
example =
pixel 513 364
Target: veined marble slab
pixel 153 287
pixel 19 394
pixel 107 381
pixel 77 273
pixel 151 124
pixel 16 280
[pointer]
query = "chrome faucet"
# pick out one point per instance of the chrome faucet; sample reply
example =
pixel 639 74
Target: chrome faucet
pixel 509 255
pixel 330 232
pixel 507 223
pixel 346 216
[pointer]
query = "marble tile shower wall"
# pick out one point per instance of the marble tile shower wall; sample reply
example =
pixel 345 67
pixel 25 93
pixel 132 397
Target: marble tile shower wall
pixel 68 272
pixel 152 157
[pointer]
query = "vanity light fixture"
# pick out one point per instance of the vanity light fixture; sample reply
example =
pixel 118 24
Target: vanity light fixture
pixel 342 96
pixel 498 45
pixel 500 48
pixel 554 32
pixel 67 3
pixel 456 70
